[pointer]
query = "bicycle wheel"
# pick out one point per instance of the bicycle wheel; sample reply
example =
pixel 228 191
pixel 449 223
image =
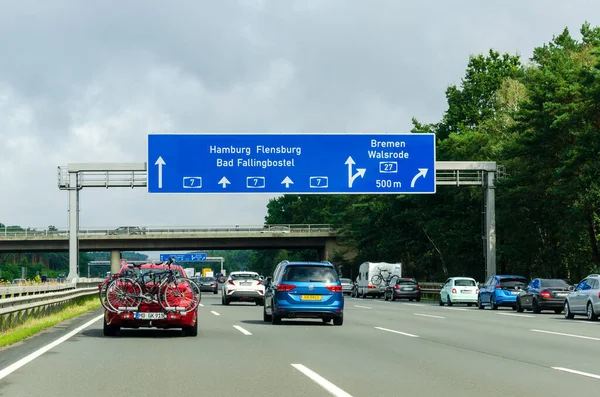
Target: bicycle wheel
pixel 376 279
pixel 393 279
pixel 179 294
pixel 102 295
pixel 123 293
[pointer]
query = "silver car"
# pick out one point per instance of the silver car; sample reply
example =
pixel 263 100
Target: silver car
pixel 585 299
pixel 346 285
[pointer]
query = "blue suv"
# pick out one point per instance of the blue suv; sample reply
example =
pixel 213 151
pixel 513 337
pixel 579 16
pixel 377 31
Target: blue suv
pixel 304 290
pixel 501 291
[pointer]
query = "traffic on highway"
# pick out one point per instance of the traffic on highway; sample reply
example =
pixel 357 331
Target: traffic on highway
pixel 425 345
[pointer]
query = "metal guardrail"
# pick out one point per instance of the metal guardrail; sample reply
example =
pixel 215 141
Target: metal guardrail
pixel 12 231
pixel 21 303
pixel 13 291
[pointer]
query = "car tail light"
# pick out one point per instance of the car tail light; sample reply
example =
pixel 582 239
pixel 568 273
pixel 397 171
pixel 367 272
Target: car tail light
pixel 498 286
pixel 173 316
pixel 476 290
pixel 230 282
pixel 372 287
pixel 545 294
pixel 334 288
pixel 215 285
pixel 259 282
pixel 454 290
pixel 396 286
pixel 418 287
pixel 285 287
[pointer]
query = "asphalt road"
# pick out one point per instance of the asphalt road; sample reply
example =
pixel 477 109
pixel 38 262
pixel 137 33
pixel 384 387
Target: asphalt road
pixel 383 349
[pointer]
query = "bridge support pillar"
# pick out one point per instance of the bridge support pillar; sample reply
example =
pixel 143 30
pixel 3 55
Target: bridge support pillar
pixel 115 261
pixel 333 250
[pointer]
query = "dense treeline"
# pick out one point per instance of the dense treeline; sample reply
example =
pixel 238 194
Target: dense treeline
pixel 540 121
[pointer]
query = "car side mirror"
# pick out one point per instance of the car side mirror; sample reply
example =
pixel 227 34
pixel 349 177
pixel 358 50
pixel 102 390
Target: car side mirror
pixel 571 288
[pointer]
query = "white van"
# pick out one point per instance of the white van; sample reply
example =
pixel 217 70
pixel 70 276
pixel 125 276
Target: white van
pixel 372 277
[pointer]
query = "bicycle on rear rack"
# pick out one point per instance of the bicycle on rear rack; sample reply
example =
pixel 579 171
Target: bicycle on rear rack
pixel 125 292
pixel 384 276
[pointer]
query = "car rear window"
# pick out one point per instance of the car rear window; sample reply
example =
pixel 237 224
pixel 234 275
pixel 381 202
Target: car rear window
pixel 244 276
pixel 405 281
pixel 512 282
pixel 554 283
pixel 464 283
pixel 345 280
pixel 307 273
pixel 206 279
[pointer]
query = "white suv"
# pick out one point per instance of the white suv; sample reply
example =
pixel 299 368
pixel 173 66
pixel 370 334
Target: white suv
pixel 243 287
pixel 585 299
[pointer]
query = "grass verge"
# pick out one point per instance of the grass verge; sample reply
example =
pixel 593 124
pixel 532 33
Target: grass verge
pixel 34 325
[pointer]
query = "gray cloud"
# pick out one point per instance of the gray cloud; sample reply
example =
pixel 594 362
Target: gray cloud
pixel 87 81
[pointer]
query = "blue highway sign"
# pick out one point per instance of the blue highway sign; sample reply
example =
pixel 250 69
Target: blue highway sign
pixel 302 163
pixel 200 257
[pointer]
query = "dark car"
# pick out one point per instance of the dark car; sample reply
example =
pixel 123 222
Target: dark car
pixel 543 294
pixel 304 290
pixel 404 288
pixel 207 284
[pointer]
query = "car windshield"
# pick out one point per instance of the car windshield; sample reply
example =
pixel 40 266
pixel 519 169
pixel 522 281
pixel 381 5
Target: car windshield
pixel 464 283
pixel 554 283
pixel 406 281
pixel 512 282
pixel 244 276
pixel 345 280
pixel 307 273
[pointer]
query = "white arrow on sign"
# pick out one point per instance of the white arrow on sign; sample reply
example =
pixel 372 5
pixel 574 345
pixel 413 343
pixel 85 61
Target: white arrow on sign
pixel 359 171
pixel 287 182
pixel 422 172
pixel 160 162
pixel 224 182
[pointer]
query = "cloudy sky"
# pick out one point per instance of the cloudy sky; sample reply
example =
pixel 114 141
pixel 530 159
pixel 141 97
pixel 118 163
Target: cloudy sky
pixel 86 81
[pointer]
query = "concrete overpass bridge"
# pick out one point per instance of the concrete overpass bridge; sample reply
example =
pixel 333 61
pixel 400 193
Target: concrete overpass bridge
pixel 323 238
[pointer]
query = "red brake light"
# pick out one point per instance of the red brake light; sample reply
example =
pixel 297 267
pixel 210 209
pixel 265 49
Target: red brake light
pixel 259 282
pixel 545 294
pixel 230 282
pixel 285 287
pixel 498 286
pixel 334 288
pixel 418 287
pixel 396 286
pixel 476 290
pixel 454 290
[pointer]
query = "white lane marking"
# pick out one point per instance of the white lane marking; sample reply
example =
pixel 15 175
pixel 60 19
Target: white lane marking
pixel 396 332
pixel 458 308
pixel 516 315
pixel 324 383
pixel 364 307
pixel 215 313
pixel 242 330
pixel 27 359
pixel 561 334
pixel 427 315
pixel 577 372
pixel 200 304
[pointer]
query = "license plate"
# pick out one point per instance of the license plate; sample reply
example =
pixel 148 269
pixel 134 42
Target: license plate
pixel 245 283
pixel 149 316
pixel 465 291
pixel 561 295
pixel 407 289
pixel 310 297
pixel 515 292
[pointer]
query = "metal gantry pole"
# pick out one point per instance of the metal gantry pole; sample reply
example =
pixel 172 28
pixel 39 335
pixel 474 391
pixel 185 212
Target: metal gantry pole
pixel 73 226
pixel 490 225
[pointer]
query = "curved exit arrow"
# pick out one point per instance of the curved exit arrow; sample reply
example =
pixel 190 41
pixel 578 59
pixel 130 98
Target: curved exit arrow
pixel 422 172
